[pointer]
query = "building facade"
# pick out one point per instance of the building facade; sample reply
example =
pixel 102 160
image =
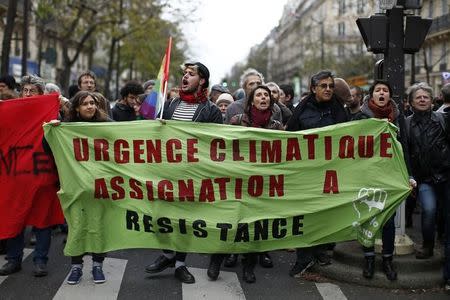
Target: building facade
pixel 314 35
pixel 433 59
pixel 44 55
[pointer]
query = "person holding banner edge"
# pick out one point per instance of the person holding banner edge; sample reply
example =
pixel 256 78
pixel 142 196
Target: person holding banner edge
pixel 428 138
pixel 380 105
pixel 30 86
pixel 85 108
pixel 191 106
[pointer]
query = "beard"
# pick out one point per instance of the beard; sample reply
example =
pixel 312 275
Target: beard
pixel 353 104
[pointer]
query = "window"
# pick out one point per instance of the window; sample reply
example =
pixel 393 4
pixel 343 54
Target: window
pixel 444 53
pixel 360 48
pixel 430 9
pixel 341 50
pixel 341 29
pixel 341 7
pixel 444 7
pixel 360 6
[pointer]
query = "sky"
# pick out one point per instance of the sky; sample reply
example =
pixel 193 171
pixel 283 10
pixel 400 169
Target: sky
pixel 226 30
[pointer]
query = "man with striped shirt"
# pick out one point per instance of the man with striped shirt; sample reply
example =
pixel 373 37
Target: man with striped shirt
pixel 191 106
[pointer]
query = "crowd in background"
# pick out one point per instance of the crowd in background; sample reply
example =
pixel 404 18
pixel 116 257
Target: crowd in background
pixel 423 132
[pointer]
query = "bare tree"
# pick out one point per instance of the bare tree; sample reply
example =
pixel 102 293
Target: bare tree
pixel 7 35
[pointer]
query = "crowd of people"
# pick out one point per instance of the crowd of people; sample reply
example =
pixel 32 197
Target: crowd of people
pixel 423 131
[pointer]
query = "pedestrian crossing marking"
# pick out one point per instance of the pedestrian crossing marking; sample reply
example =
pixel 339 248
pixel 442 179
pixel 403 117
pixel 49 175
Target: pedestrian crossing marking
pixel 227 287
pixel 26 252
pixel 113 268
pixel 330 291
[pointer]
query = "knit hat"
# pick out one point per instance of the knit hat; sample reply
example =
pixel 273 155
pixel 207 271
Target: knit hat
pixel 219 88
pixel 202 71
pixel 224 98
pixel 147 83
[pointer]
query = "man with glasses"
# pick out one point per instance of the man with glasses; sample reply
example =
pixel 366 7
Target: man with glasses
pixel 31 85
pixel 250 79
pixel 321 108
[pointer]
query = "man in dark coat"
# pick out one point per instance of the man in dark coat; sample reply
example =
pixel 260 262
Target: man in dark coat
pixel 124 108
pixel 321 108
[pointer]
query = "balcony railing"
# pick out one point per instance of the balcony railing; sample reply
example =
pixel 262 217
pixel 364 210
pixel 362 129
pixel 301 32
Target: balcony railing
pixel 440 23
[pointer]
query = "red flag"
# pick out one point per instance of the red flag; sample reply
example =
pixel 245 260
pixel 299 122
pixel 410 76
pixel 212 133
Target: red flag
pixel 28 177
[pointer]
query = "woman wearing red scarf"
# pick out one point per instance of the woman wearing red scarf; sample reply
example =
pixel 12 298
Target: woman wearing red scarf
pixel 257 113
pixel 380 105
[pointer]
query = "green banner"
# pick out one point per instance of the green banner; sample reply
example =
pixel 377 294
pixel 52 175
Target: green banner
pixel 211 188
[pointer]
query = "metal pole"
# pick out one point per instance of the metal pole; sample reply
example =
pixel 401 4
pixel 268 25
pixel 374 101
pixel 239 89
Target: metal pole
pixel 394 59
pixel 394 73
pixel 413 69
pixel 25 42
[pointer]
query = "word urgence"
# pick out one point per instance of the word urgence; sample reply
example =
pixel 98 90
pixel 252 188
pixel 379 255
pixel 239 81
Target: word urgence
pixel 254 151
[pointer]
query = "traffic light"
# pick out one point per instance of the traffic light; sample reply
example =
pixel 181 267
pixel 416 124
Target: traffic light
pixel 416 30
pixel 374 31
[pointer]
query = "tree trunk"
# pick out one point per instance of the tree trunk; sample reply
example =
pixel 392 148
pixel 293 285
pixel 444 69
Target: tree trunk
pixel 7 37
pixel 64 80
pixel 40 46
pixel 112 48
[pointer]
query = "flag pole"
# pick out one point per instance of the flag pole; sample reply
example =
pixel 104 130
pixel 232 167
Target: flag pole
pixel 164 99
pixel 166 76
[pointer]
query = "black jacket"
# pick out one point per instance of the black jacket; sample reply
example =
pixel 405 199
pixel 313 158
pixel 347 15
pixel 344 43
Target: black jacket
pixel 122 112
pixel 429 149
pixel 311 114
pixel 207 112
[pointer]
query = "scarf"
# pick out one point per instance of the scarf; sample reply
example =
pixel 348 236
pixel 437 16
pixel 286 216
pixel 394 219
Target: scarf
pixel 386 112
pixel 196 97
pixel 260 118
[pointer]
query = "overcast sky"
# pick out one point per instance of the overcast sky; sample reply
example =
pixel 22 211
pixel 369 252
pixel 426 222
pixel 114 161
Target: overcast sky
pixel 226 31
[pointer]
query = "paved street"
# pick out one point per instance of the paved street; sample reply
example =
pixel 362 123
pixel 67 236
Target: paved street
pixel 128 280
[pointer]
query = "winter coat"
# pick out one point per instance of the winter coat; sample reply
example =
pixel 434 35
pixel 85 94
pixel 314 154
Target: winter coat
pixel 123 112
pixel 238 107
pixel 311 114
pixel 244 120
pixel 428 140
pixel 399 121
pixel 207 112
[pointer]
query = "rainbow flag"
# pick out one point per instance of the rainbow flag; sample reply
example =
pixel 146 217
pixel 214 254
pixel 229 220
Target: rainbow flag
pixel 154 101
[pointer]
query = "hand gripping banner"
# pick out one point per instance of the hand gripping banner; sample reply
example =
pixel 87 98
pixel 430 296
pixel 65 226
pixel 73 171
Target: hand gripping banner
pixel 212 188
